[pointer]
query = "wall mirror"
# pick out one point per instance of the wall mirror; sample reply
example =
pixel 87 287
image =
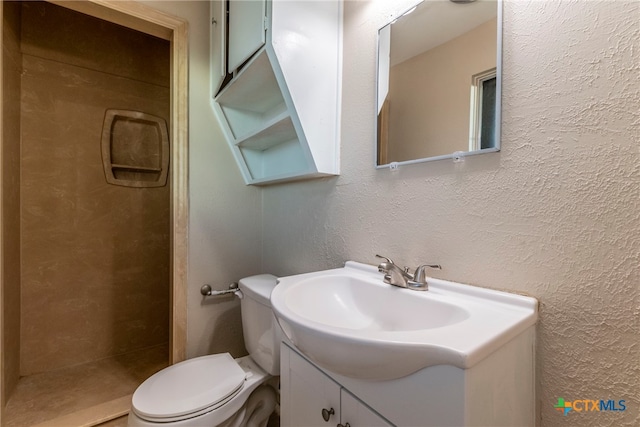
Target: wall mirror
pixel 439 82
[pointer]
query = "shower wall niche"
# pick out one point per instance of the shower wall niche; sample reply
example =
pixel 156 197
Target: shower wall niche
pixel 94 258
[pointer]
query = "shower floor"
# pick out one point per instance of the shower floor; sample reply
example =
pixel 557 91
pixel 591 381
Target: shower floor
pixel 83 395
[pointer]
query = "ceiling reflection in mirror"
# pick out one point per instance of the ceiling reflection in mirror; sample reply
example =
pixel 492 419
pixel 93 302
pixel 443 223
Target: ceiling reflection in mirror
pixel 439 82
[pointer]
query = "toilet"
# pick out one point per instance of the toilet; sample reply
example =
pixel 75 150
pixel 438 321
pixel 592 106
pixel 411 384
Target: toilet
pixel 218 390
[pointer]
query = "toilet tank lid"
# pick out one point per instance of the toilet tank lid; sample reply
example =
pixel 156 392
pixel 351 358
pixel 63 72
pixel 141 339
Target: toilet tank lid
pixel 259 287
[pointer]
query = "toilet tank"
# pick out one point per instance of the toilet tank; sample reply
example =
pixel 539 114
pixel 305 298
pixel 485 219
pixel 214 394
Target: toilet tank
pixel 262 334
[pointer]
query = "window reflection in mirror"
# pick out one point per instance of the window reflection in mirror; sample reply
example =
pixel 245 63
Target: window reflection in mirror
pixel 439 80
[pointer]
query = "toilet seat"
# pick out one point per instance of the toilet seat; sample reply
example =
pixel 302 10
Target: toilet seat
pixel 188 389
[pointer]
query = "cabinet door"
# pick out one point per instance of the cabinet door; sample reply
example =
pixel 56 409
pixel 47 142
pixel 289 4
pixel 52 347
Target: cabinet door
pixel 246 30
pixel 306 392
pixel 357 414
pixel 218 41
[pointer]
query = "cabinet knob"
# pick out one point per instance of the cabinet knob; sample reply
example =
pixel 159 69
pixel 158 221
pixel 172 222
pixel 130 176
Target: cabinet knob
pixel 326 414
pixel 344 425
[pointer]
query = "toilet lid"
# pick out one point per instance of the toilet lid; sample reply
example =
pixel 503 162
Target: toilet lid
pixel 188 387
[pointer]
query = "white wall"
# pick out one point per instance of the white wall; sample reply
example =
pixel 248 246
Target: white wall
pixel 555 214
pixel 224 214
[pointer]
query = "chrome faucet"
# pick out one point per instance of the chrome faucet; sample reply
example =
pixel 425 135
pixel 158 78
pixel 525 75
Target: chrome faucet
pixel 401 278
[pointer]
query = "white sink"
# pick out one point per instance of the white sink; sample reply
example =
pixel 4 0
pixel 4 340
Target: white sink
pixel 351 323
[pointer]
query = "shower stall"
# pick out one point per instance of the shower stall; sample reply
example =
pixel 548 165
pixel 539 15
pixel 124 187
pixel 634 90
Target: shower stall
pixel 86 214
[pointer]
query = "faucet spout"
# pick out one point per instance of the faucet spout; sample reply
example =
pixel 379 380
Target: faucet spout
pixel 393 274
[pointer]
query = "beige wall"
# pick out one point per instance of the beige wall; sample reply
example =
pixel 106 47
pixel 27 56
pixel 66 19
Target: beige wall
pixel 429 95
pixel 225 226
pixel 10 295
pixel 555 214
pixel 95 257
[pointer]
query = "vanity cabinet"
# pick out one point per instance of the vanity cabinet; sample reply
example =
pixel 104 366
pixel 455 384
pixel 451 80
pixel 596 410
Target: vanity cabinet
pixel 312 399
pixel 498 391
pixel 276 82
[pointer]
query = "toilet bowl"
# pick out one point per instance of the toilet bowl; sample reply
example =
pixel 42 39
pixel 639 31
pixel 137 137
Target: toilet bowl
pixel 217 390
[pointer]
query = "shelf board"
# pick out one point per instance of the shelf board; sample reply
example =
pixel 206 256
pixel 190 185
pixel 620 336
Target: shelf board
pixel 255 88
pixel 243 122
pixel 288 177
pixel 285 158
pixel 278 130
pixel 136 168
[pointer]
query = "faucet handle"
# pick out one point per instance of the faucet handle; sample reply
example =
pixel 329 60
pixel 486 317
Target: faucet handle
pixel 420 275
pixel 419 282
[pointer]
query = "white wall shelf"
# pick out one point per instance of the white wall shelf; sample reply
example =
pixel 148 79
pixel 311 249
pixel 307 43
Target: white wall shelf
pixel 280 111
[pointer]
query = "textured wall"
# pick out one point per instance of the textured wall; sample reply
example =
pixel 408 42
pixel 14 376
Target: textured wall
pixel 555 214
pixel 95 257
pixel 11 68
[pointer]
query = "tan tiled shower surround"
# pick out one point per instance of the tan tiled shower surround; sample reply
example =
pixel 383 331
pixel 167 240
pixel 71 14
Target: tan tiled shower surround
pixel 87 265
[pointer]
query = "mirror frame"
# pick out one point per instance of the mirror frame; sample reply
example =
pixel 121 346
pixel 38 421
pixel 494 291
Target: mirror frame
pixel 457 155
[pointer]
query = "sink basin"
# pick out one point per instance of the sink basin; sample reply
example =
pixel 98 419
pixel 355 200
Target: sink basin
pixel 351 323
pixel 355 304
